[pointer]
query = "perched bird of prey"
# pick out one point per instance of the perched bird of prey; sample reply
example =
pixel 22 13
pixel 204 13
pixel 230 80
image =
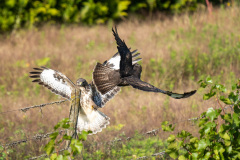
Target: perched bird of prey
pixel 91 99
pixel 126 72
pixel 90 118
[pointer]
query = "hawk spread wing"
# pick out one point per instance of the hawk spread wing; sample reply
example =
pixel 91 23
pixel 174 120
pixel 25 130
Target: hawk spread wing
pixel 60 84
pixel 106 76
pixel 126 65
pixel 104 81
pixel 141 85
pixel 55 81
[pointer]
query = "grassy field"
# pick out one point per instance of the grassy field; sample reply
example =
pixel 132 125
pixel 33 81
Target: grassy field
pixel 177 52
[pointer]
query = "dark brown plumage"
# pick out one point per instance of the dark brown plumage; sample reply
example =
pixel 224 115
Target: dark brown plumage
pixel 105 78
pixel 128 74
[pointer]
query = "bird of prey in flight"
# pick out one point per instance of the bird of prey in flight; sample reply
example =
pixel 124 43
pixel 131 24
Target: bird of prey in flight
pixel 124 71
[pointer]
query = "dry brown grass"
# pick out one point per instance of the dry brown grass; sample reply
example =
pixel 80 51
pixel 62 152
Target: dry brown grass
pixel 74 50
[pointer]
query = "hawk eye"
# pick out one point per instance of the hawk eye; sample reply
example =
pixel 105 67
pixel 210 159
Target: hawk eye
pixel 81 82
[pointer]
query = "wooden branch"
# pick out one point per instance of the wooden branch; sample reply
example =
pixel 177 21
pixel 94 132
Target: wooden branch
pixel 73 117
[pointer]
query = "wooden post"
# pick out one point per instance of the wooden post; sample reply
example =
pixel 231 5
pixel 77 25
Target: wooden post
pixel 73 117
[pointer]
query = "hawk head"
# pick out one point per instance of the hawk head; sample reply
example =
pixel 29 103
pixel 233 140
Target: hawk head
pixel 82 83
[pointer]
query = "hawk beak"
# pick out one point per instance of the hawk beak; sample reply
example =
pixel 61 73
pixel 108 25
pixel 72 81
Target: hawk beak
pixel 94 107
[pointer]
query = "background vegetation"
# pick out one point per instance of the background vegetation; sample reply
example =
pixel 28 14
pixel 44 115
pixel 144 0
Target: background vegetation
pixel 24 13
pixel 218 128
pixel 177 52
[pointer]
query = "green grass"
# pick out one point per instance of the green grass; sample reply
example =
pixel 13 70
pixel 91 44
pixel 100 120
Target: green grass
pixel 138 146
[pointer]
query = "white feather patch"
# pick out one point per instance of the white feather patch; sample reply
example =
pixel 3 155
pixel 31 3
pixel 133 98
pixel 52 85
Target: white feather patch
pixel 115 61
pixel 59 84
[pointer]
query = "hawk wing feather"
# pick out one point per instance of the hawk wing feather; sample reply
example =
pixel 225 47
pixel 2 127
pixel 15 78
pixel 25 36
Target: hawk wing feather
pixel 55 81
pixel 101 99
pixel 138 84
pixel 105 78
pixel 122 47
pixel 126 65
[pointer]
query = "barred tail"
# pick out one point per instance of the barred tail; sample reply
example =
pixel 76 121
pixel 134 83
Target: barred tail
pixel 91 119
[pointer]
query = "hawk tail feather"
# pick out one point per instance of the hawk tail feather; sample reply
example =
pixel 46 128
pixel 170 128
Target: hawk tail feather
pixel 92 120
pixel 100 78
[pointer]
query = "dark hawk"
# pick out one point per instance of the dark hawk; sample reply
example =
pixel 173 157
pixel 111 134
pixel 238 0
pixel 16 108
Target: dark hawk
pixel 124 71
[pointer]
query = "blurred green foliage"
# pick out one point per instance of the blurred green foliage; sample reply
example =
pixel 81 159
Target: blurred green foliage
pixel 57 140
pixel 218 129
pixel 4 153
pixel 24 13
